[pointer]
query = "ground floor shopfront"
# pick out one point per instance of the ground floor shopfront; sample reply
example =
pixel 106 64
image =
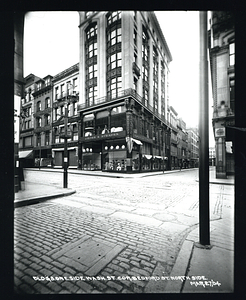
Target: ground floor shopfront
pixel 58 157
pixel 114 152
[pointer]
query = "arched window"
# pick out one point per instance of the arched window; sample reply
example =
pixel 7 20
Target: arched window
pixel 113 17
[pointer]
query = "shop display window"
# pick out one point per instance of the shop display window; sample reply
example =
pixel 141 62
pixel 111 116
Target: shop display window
pixel 114 161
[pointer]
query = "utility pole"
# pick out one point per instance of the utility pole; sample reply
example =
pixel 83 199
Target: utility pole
pixel 204 219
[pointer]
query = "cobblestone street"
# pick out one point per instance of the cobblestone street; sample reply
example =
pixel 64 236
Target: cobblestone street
pixel 45 227
pixel 112 236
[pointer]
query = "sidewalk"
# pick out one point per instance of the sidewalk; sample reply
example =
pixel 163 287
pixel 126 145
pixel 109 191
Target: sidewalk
pixel 208 269
pixel 32 193
pixel 213 179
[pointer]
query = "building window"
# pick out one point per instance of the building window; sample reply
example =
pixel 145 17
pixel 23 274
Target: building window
pixel 91 64
pixel 27 124
pixel 47 119
pixel 38 140
pixel 29 94
pixel 91 94
pixel 114 61
pixel 47 81
pixel 56 92
pixel 232 94
pixel 56 134
pixel 39 85
pixel 75 131
pixel 146 97
pixel 75 83
pixel 62 110
pixel 91 32
pixel 232 54
pixel 62 90
pixel 55 113
pixel 114 86
pixel 47 102
pixel 39 122
pixel 114 36
pixel 75 105
pixel 28 111
pixel 113 17
pixel 38 106
pixel 47 138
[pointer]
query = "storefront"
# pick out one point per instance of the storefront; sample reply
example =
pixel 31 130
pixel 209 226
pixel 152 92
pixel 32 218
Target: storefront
pixel 58 156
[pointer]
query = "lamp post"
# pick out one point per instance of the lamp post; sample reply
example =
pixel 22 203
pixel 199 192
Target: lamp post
pixel 66 136
pixel 65 159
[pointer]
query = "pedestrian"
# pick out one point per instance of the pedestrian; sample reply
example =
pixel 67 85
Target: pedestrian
pixel 180 167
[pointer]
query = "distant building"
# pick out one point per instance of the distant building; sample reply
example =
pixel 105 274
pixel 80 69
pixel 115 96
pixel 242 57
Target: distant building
pixel 182 146
pixel 42 100
pixel 222 65
pixel 26 143
pixel 193 147
pixel 212 156
pixel 174 138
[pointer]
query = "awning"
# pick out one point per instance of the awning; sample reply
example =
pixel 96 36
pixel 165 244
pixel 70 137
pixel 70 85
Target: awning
pixel 26 154
pixel 62 149
pixel 147 156
pixel 137 142
pixel 159 157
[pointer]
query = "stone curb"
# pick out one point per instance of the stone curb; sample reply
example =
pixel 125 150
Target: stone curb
pixel 180 268
pixel 38 199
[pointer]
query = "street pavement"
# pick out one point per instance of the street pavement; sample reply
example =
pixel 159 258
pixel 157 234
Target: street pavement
pixel 74 244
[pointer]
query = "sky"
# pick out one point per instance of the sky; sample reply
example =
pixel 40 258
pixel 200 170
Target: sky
pixel 51 45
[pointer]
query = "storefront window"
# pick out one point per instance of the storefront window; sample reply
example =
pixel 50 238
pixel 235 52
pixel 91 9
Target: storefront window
pixel 115 161
pixel 135 161
pixel 146 165
pixel 118 122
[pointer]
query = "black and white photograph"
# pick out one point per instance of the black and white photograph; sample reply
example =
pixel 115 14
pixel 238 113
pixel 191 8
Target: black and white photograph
pixel 124 141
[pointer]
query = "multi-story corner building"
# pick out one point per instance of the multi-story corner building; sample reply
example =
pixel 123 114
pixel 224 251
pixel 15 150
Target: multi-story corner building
pixel 42 100
pixel 182 146
pixel 193 147
pixel 124 68
pixel 222 65
pixel 65 93
pixel 26 143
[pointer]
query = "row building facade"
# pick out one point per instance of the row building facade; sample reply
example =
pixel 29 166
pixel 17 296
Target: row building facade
pixel 222 66
pixel 116 99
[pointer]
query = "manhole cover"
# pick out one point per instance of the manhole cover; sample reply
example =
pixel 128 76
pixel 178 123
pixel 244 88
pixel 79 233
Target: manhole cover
pixel 88 255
